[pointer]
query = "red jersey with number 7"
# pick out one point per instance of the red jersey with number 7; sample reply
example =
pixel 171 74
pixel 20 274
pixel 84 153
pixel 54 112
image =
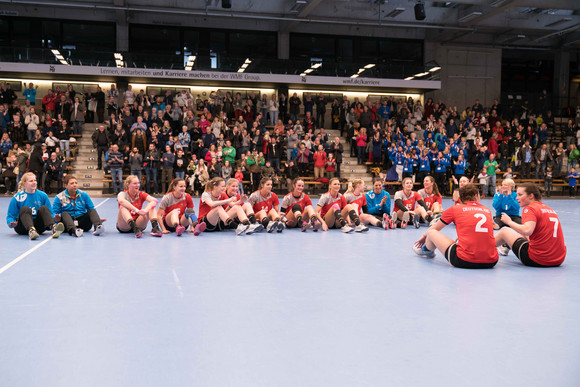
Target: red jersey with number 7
pixel 547 241
pixel 474 232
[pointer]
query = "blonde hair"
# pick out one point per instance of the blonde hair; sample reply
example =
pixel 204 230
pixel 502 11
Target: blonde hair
pixel 24 179
pixel 510 182
pixel 353 184
pixel 128 181
pixel 213 183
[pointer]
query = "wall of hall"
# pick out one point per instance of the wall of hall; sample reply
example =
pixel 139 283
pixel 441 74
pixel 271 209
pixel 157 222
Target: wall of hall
pixel 467 73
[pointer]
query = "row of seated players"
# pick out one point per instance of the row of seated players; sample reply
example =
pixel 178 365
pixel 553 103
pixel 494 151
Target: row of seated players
pixel 537 241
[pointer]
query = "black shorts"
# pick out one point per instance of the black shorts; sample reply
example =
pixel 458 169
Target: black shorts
pixel 451 256
pixel 220 226
pixel 520 249
pixel 123 232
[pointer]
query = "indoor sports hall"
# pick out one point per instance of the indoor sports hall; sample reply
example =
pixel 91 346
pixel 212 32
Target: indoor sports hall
pixel 286 309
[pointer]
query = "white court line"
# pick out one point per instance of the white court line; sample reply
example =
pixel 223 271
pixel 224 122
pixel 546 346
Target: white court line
pixel 177 283
pixel 27 253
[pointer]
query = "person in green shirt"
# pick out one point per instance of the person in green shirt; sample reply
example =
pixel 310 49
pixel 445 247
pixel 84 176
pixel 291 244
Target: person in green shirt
pixel 229 152
pixel 573 155
pixel 255 162
pixel 490 166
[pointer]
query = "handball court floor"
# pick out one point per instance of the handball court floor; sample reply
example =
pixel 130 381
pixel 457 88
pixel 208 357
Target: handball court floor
pixel 290 309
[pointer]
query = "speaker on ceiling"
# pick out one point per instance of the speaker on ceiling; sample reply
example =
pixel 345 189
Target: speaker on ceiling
pixel 226 3
pixel 420 11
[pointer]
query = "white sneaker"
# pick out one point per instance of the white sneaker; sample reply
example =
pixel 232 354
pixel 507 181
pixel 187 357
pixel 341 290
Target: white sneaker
pixel 272 226
pixel 256 227
pixel 57 229
pixel 281 226
pixel 346 228
pixel 361 228
pixel 99 230
pixel 79 232
pixel 242 228
pixel 423 252
pixel 503 250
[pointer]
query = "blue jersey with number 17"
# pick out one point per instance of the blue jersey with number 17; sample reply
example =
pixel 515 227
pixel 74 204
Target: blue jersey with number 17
pixel 21 199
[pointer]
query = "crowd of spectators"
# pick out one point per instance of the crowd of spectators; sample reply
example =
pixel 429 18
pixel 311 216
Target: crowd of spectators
pixel 178 135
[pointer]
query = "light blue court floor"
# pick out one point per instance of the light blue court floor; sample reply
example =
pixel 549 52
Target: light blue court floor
pixel 290 309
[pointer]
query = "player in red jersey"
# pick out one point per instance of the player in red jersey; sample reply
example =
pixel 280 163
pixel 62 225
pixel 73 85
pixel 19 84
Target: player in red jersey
pixel 463 181
pixel 232 190
pixel 432 198
pixel 132 216
pixel 266 206
pixel 332 208
pixel 406 201
pixel 475 246
pixel 176 210
pixel 219 210
pixel 539 240
pixel 355 196
pixel 298 208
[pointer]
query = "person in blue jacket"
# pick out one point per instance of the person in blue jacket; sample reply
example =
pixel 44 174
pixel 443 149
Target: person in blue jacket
pixel 379 201
pixel 29 210
pixel 505 202
pixel 76 210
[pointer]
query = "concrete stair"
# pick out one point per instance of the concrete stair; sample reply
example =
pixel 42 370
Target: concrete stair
pixel 85 166
pixel 349 168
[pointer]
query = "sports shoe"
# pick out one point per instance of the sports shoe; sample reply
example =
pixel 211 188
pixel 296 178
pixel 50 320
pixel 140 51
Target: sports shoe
pixel 179 230
pixel 256 227
pixel 78 232
pixel 306 226
pixel 417 220
pixel 361 228
pixel 137 231
pixel 393 223
pixel 242 228
pixel 346 228
pixel 156 232
pixel 423 252
pixel 57 229
pixel 272 226
pixel 280 227
pixel 33 234
pixel 403 224
pixel 99 230
pixel 495 226
pixel 503 250
pixel 199 228
pixel 386 222
pixel 316 225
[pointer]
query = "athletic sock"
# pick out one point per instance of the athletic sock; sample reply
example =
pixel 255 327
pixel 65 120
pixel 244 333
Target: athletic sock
pixel 354 217
pixel 252 218
pixel 265 221
pixel 131 224
pixel 339 219
pixel 277 219
pixel 429 218
pixel 154 223
pixel 299 221
pixel 246 223
pixel 229 222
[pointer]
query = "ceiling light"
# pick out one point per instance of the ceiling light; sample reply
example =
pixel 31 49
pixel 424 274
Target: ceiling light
pixel 241 70
pixel 316 65
pixel 55 52
pixel 354 76
pixel 499 3
pixel 303 74
pixel 558 22
pixel 431 70
pixel 409 78
pixel 370 66
pixel 470 16
pixel 558 33
pixel 396 12
pixel 308 71
pixel 248 61
pixel 360 70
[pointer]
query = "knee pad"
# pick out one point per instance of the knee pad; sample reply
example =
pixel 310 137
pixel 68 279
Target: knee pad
pixel 296 208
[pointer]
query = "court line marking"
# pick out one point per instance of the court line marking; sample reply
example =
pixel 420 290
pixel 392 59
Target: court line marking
pixel 177 283
pixel 30 251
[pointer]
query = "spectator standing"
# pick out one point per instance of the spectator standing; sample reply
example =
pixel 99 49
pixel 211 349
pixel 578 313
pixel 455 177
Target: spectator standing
pixel 116 165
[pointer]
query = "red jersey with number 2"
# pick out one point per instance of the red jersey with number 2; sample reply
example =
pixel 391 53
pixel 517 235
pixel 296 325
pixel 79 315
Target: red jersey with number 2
pixel 474 232
pixel 547 241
